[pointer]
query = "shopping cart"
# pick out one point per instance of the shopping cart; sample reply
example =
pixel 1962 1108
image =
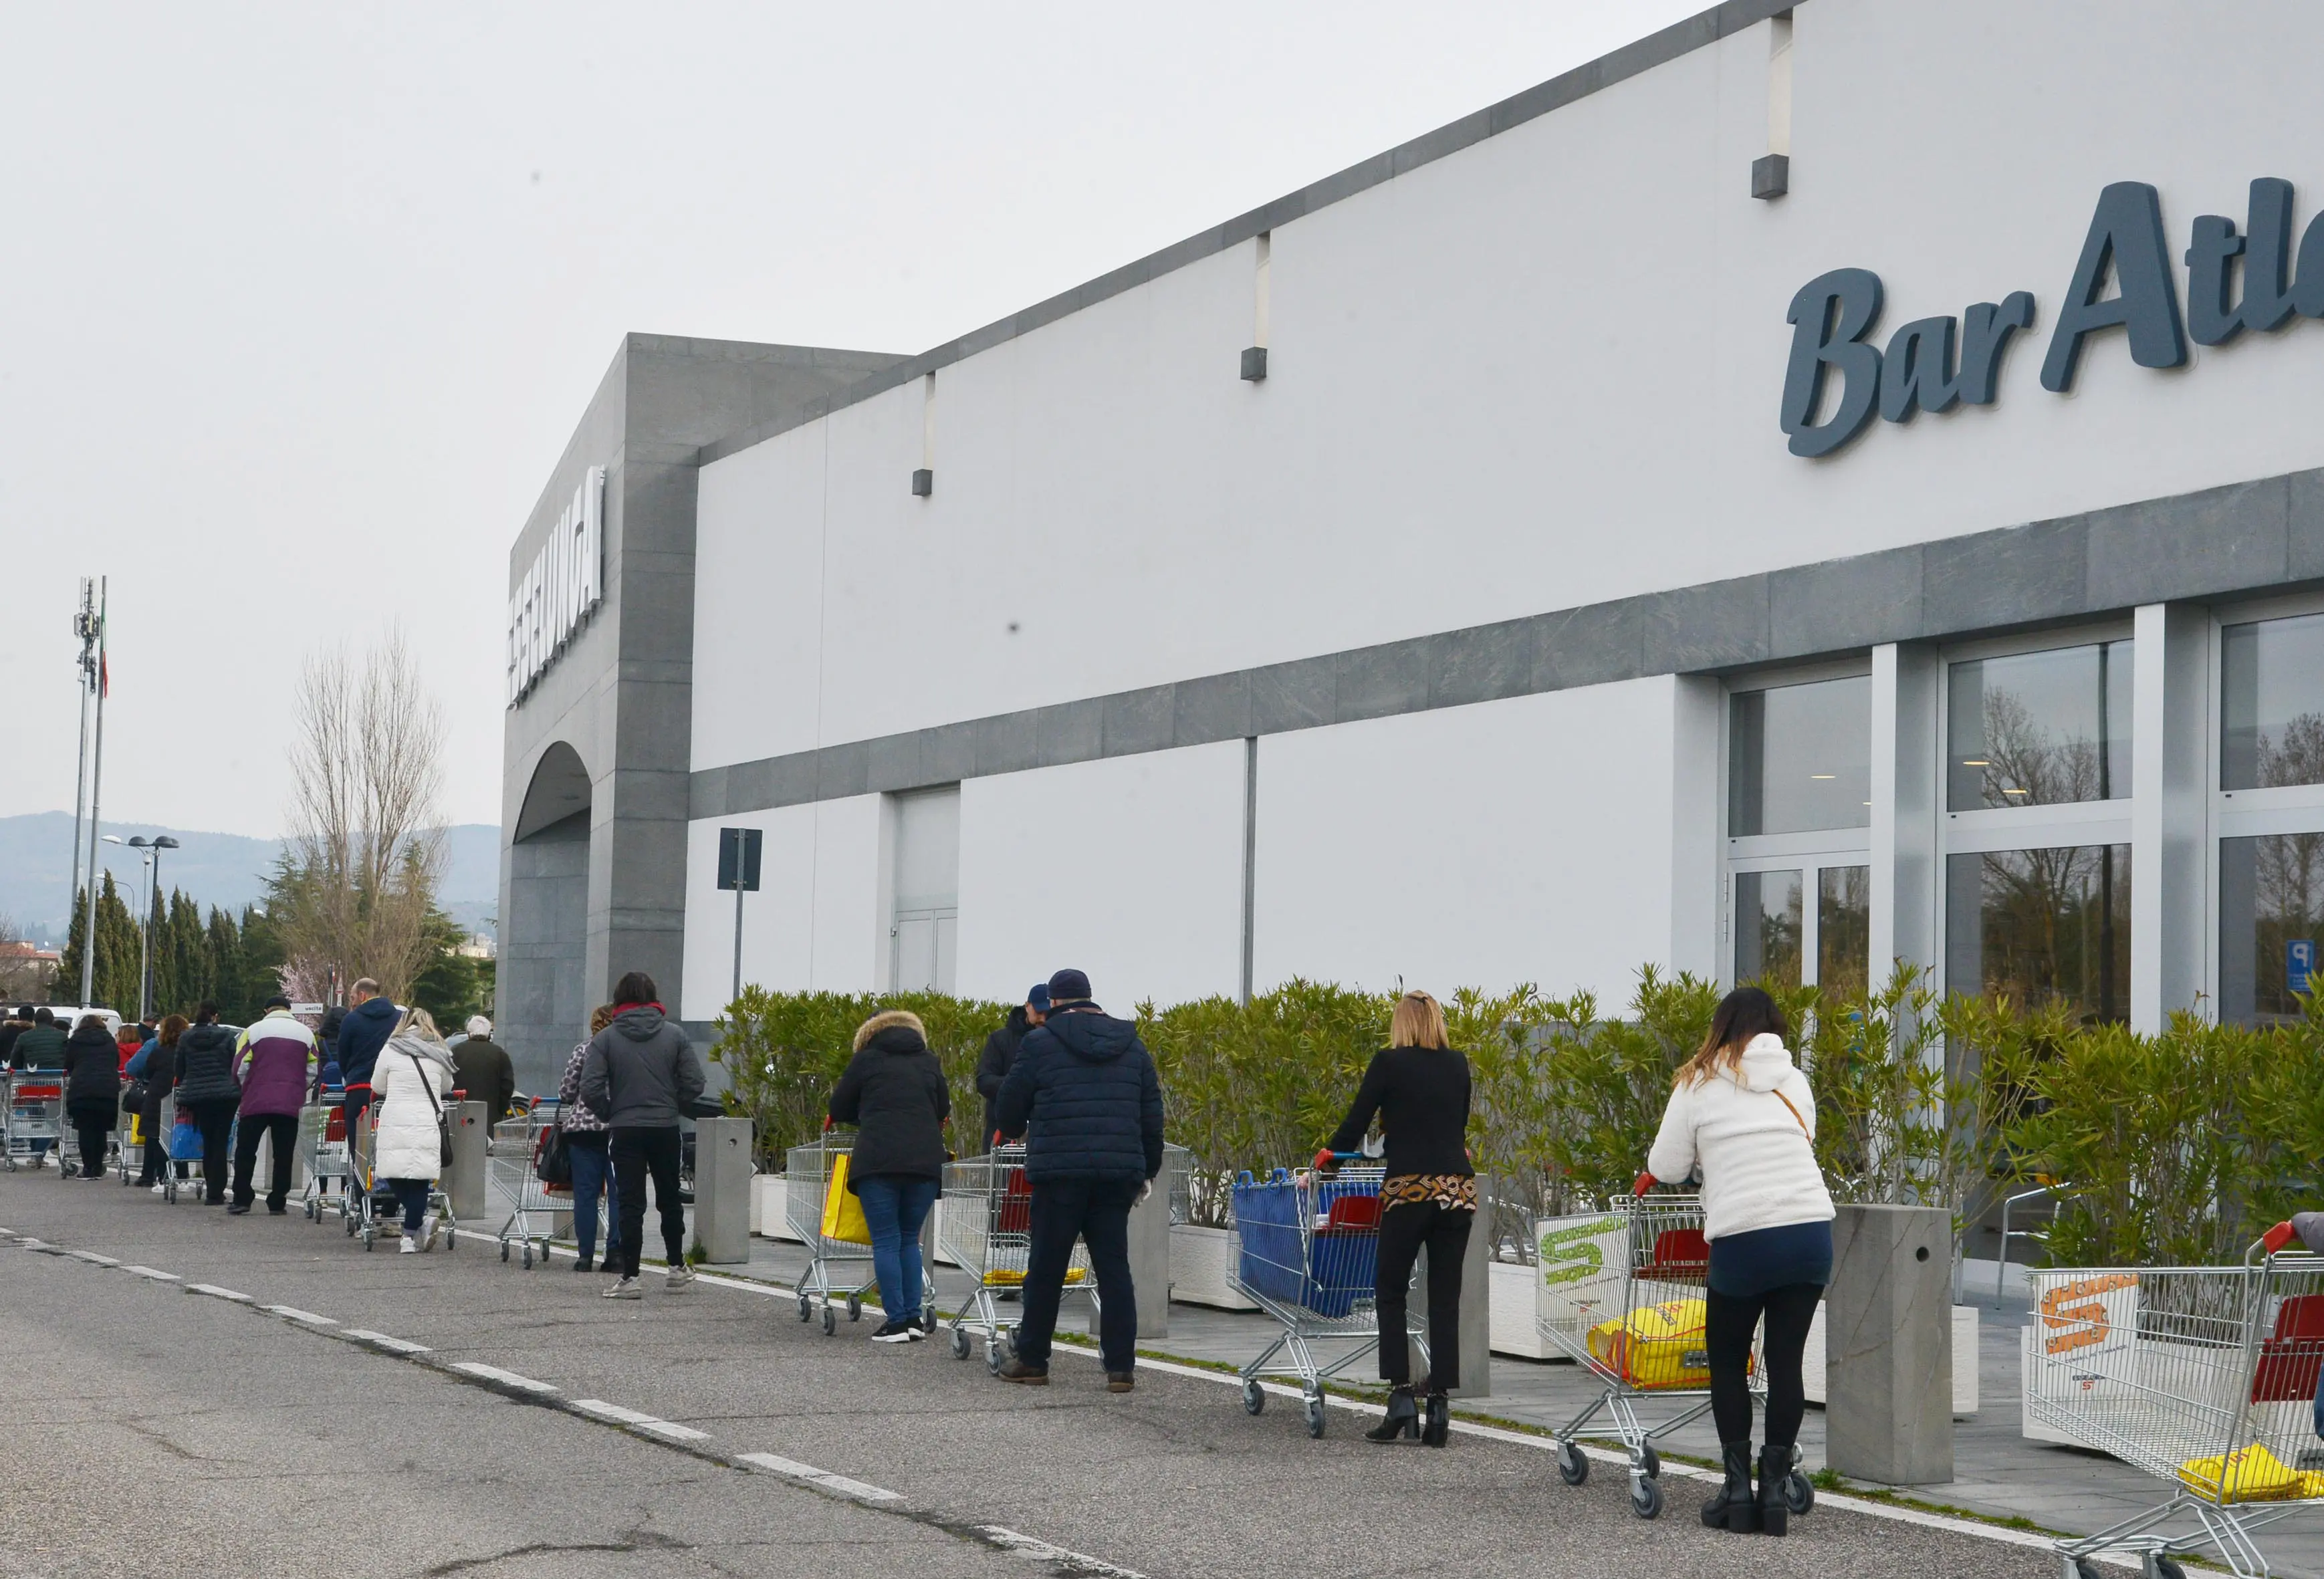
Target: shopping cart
pixel 514 1166
pixel 806 1181
pixel 1622 1292
pixel 1309 1257
pixel 986 1226
pixel 129 1149
pixel 373 1209
pixel 35 1118
pixel 2202 1377
pixel 325 1140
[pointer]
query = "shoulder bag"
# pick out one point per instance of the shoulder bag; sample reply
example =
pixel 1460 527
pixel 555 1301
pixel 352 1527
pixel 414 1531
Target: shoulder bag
pixel 554 1165
pixel 443 1124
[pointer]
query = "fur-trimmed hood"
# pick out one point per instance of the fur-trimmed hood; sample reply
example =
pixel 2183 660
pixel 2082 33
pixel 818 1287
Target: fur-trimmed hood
pixel 890 1019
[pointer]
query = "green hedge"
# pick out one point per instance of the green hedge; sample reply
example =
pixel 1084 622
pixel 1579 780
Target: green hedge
pixel 2179 1146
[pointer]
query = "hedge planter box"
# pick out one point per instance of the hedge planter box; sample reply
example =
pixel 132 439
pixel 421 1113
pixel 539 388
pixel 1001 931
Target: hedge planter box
pixel 767 1207
pixel 1202 1267
pixel 1514 1329
pixel 1965 1336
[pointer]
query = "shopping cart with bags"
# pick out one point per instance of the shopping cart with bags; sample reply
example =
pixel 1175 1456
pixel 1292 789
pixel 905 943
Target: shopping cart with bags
pixel 513 1160
pixel 326 1138
pixel 34 1119
pixel 2202 1377
pixel 820 1209
pixel 1622 1293
pixel 1308 1255
pixel 987 1227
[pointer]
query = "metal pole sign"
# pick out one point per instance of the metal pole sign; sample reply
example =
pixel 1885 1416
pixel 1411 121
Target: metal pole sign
pixel 738 869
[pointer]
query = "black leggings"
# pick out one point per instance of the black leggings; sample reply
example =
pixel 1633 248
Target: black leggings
pixel 1729 1321
pixel 638 1154
pixel 1404 1227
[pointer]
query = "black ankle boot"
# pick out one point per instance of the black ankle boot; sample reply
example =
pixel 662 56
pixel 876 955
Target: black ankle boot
pixel 1775 1469
pixel 1439 1428
pixel 1733 1509
pixel 1403 1419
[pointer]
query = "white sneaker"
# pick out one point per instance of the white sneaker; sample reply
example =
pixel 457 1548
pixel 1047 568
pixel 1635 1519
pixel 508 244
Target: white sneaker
pixel 429 1242
pixel 161 1190
pixel 409 1246
pixel 627 1288
pixel 680 1279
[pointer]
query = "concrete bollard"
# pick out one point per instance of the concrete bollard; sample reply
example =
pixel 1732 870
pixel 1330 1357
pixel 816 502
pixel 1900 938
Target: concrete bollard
pixel 1149 1258
pixel 1888 1345
pixel 722 1189
pixel 467 1181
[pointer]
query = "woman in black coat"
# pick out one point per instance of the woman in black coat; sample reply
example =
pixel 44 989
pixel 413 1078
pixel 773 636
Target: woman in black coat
pixel 92 1090
pixel 894 1093
pixel 208 1089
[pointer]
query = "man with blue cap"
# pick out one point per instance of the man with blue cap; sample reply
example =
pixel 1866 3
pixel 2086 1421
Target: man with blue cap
pixel 1000 1053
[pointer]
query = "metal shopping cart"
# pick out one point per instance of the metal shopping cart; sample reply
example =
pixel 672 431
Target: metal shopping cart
pixel 513 1161
pixel 2204 1378
pixel 1309 1257
pixel 806 1184
pixel 129 1148
pixel 986 1226
pixel 1621 1291
pixel 35 1118
pixel 325 1142
pixel 374 1204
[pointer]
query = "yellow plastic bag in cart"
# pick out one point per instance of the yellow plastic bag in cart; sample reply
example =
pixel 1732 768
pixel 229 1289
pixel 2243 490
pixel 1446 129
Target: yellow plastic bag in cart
pixel 2253 1474
pixel 1655 1346
pixel 842 1213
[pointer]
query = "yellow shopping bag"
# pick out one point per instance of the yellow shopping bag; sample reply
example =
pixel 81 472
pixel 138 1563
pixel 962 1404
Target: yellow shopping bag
pixel 1655 1346
pixel 2253 1474
pixel 842 1213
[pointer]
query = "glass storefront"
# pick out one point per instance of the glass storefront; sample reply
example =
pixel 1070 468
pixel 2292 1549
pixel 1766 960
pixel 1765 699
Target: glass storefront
pixel 1769 931
pixel 1800 757
pixel 1843 929
pixel 2271 924
pixel 2039 728
pixel 2041 926
pixel 2272 704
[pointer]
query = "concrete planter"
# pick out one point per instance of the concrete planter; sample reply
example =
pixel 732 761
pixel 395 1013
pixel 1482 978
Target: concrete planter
pixel 767 1207
pixel 1201 1265
pixel 1965 1339
pixel 1514 1328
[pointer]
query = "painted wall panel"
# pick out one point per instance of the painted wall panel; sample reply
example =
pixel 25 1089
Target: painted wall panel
pixel 812 924
pixel 758 604
pixel 1129 869
pixel 1507 842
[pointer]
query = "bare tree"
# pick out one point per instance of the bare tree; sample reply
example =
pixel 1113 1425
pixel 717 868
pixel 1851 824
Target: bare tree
pixel 357 884
pixel 24 976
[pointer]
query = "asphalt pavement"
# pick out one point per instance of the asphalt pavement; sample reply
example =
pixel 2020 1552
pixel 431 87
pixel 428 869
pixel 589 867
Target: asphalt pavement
pixel 174 1427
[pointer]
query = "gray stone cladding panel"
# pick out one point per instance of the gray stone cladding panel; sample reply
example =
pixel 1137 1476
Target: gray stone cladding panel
pixel 841 771
pixel 1069 732
pixel 2162 550
pixel 1298 694
pixel 1138 721
pixel 1482 664
pixel 1380 682
pixel 707 796
pixel 1997 579
pixel 1214 707
pixel 2304 525
pixel 1593 645
pixel 1007 742
pixel 1844 604
pixel 893 761
pixel 947 753
pixel 1717 625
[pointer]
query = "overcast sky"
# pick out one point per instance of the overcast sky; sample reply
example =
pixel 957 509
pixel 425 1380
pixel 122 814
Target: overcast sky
pixel 302 301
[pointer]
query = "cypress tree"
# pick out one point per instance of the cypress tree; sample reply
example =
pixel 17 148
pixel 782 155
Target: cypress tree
pixel 189 957
pixel 117 980
pixel 67 989
pixel 223 946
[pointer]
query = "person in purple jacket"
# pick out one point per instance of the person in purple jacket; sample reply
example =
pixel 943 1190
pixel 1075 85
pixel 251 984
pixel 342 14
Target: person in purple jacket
pixel 275 1063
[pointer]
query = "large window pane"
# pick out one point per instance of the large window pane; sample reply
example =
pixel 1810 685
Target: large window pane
pixel 1843 929
pixel 1800 757
pixel 1767 932
pixel 2039 728
pixel 2272 713
pixel 2271 924
pixel 2038 926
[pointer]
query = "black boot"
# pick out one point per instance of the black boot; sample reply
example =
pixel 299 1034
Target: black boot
pixel 1403 1419
pixel 1775 1469
pixel 1733 1509
pixel 1438 1429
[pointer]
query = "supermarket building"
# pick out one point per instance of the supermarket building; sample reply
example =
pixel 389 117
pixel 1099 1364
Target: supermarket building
pixel 1823 485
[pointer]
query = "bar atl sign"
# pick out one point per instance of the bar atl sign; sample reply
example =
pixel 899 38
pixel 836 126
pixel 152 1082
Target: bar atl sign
pixel 1935 364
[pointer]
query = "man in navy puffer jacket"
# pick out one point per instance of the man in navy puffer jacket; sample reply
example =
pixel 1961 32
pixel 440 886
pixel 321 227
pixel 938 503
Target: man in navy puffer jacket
pixel 1083 1092
pixel 370 1022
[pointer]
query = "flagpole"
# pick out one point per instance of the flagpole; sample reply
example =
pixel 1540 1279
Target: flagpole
pixel 84 627
pixel 95 784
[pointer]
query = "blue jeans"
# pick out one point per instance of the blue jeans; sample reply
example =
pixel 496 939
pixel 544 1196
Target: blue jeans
pixel 593 1176
pixel 412 1194
pixel 895 1206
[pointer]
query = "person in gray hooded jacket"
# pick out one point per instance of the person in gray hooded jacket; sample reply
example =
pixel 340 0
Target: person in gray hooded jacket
pixel 640 1074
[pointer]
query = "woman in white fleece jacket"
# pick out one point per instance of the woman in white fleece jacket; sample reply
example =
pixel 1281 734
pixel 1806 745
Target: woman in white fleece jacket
pixel 1741 1114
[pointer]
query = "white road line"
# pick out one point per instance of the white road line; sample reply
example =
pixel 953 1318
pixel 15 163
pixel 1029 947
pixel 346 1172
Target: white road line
pixel 1074 1562
pixel 92 1258
pixel 293 1313
pixel 643 1422
pixel 153 1272
pixel 381 1341
pixel 214 1292
pixel 505 1378
pixel 791 1469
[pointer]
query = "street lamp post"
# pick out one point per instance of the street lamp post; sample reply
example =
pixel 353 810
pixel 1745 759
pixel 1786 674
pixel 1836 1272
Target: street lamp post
pixel 144 885
pixel 149 891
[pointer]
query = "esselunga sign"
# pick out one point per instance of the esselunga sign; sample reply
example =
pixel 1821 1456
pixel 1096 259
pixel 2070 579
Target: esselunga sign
pixel 555 596
pixel 1934 363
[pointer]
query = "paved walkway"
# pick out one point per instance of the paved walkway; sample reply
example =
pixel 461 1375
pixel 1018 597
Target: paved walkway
pixel 285 1402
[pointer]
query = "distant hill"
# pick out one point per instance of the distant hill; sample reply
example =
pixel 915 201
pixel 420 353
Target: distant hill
pixel 226 869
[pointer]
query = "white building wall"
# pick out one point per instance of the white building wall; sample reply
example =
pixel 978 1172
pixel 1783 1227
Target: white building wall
pixel 1129 869
pixel 758 600
pixel 1526 840
pixel 814 922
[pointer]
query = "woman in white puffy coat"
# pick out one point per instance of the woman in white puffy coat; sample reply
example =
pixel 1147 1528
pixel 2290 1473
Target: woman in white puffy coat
pixel 410 1086
pixel 1741 1114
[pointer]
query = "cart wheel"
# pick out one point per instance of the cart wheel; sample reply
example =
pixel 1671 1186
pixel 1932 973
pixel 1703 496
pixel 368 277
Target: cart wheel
pixel 368 1237
pixel 1650 1460
pixel 806 1311
pixel 544 1251
pixel 830 1320
pixel 1799 1496
pixel 451 1240
pixel 503 1249
pixel 855 1307
pixel 351 1225
pixel 2085 1569
pixel 1573 1464
pixel 2168 1567
pixel 1314 1415
pixel 995 1351
pixel 1646 1499
pixel 527 1255
pixel 960 1344
pixel 310 1211
pixel 1254 1397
